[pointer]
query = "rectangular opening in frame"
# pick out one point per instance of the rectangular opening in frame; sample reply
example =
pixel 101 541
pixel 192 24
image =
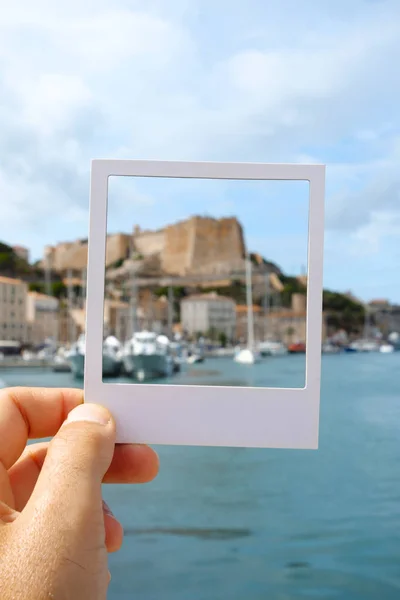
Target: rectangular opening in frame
pixel 206 282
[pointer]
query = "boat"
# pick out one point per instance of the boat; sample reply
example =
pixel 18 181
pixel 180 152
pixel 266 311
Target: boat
pixel 179 355
pixel 394 340
pixel 298 348
pixel 386 348
pixel 112 357
pixel 328 348
pixel 76 357
pixel 270 348
pixel 364 345
pixel 248 355
pixel 147 355
pixel 60 362
pixel 2 384
pixel 194 359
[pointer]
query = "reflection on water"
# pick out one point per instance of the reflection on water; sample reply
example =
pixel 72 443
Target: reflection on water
pixel 195 532
pixel 280 371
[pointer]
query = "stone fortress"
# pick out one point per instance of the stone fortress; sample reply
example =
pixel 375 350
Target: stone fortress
pixel 197 245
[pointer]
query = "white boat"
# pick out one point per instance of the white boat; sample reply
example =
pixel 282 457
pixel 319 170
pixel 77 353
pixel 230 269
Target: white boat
pixel 270 348
pixel 328 348
pixel 249 355
pixel 394 340
pixel 386 348
pixel 76 356
pixel 2 384
pixel 246 356
pixel 60 362
pixel 195 358
pixel 364 346
pixel 148 356
pixel 112 357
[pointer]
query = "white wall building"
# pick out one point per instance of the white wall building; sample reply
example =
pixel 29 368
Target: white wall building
pixel 13 298
pixel 202 312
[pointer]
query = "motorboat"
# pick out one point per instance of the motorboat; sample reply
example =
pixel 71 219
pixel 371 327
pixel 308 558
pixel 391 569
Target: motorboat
pixel 386 348
pixel 112 357
pixel 60 362
pixel 195 358
pixel 148 355
pixel 328 348
pixel 76 356
pixel 364 346
pixel 270 348
pixel 394 340
pixel 298 348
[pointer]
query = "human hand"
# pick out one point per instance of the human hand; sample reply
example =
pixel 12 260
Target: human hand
pixel 55 531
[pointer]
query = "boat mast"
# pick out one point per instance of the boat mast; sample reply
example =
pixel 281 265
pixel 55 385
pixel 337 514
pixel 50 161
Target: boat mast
pixel 49 291
pixel 170 311
pixel 249 299
pixel 266 305
pixel 71 324
pixel 133 294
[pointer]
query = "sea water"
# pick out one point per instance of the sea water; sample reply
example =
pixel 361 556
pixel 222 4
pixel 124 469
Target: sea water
pixel 247 524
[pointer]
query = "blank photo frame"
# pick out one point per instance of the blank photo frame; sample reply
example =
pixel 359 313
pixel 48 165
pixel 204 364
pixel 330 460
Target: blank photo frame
pixel 206 415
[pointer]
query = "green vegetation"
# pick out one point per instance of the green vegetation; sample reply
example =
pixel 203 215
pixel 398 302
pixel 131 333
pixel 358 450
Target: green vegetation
pixel 58 289
pixel 343 312
pixel 291 285
pixel 10 263
pixel 117 264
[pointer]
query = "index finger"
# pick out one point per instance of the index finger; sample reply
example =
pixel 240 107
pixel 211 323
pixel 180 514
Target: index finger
pixel 32 413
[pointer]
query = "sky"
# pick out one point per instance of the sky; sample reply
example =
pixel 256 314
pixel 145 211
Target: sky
pixel 280 81
pixel 273 214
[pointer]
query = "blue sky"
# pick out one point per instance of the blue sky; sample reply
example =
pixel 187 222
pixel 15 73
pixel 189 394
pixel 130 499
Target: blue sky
pixel 288 81
pixel 273 214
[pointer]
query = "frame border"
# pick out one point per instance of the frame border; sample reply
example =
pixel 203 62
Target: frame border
pixel 206 415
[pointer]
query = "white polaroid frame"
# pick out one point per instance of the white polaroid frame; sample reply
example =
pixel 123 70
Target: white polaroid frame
pixel 207 415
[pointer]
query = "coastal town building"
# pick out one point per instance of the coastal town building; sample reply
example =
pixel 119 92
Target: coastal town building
pixel 42 318
pixel 13 302
pixel 287 325
pixel 386 316
pixel 202 313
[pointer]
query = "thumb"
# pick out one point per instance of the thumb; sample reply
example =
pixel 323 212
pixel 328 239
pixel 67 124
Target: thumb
pixel 76 462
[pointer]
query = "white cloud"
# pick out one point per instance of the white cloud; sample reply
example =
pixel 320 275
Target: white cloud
pixel 82 80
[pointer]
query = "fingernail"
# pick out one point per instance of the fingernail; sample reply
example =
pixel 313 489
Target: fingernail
pixel 92 413
pixel 107 510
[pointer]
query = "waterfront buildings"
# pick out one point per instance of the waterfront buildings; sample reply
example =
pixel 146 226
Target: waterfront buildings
pixel 203 313
pixel 42 317
pixel 13 302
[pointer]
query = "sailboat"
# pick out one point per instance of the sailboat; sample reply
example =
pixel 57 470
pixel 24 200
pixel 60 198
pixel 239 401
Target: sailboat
pixel 248 356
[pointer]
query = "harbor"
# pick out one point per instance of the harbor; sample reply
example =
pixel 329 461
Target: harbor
pixel 246 523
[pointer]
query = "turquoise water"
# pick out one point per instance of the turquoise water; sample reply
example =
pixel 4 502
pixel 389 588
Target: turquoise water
pixel 254 524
